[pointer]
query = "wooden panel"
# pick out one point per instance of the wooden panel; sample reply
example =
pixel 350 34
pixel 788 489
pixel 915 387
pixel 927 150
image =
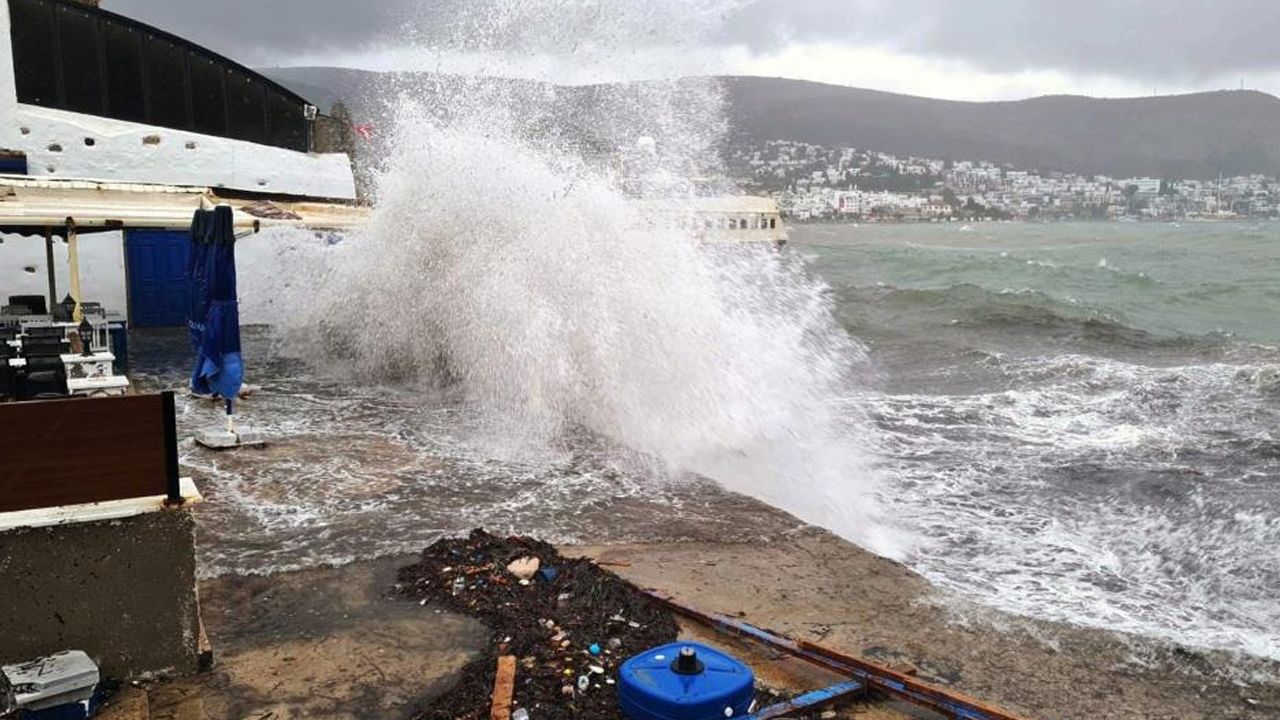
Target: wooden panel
pixel 66 452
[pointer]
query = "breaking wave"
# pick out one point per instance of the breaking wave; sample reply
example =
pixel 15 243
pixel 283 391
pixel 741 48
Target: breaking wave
pixel 505 265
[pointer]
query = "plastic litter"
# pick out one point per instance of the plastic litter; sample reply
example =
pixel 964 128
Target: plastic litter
pixel 524 568
pixel 594 649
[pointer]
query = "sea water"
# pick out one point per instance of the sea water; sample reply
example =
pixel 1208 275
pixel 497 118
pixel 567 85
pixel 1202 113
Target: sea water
pixel 1079 420
pixel 1071 422
pixel 1057 437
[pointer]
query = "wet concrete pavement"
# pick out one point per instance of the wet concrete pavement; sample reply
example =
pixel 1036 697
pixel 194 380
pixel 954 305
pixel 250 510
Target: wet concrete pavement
pixel 811 585
pixel 322 643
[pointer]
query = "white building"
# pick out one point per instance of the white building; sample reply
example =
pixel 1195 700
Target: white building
pixel 90 95
pixel 1147 187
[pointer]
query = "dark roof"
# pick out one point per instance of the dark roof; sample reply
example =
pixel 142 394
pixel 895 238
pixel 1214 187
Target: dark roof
pixel 157 32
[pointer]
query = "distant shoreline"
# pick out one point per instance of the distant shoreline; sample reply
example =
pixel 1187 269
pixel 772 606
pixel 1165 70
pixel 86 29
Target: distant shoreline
pixel 795 222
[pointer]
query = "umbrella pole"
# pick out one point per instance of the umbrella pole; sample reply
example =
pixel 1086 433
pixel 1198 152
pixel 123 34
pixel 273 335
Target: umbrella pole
pixel 73 254
pixel 48 264
pixel 231 420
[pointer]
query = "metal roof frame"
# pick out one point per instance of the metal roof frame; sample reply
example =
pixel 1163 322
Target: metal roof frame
pixel 36 206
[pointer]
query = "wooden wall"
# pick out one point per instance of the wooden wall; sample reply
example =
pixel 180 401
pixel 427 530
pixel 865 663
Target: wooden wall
pixel 68 452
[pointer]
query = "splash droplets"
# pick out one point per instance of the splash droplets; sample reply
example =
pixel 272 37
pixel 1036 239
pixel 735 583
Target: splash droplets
pixel 504 261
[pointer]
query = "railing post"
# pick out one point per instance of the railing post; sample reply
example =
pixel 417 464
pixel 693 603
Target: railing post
pixel 174 490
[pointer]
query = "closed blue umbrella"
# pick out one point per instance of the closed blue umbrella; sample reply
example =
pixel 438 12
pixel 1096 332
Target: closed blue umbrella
pixel 214 318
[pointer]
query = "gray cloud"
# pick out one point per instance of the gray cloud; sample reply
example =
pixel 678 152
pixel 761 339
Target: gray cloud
pixel 1143 39
pixel 1147 40
pixel 269 31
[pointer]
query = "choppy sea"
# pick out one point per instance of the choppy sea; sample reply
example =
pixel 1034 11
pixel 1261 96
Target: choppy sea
pixel 1073 422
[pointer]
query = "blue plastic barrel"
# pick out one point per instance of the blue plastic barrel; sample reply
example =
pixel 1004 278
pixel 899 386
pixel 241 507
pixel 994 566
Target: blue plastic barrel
pixel 684 681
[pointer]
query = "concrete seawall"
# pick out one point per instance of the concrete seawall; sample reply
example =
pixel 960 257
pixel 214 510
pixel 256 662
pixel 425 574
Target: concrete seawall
pixel 123 591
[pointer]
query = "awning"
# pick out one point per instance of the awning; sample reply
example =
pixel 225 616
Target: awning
pixel 30 205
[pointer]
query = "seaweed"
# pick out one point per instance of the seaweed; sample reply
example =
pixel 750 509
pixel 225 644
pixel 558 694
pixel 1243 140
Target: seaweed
pixel 548 623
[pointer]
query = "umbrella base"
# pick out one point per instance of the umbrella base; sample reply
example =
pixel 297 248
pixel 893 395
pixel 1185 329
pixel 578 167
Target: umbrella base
pixel 223 439
pixel 246 390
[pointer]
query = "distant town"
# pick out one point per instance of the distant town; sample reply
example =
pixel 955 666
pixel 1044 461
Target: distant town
pixel 816 183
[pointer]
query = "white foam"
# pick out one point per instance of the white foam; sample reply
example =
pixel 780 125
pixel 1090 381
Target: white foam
pixel 1077 495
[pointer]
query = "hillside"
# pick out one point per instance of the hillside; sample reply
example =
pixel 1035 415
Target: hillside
pixel 1198 135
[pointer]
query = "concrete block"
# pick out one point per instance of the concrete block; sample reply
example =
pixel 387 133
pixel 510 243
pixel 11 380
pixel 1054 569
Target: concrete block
pixel 222 439
pixel 123 591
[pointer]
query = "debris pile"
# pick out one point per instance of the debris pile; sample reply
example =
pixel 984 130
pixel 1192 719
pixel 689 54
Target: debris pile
pixel 568 622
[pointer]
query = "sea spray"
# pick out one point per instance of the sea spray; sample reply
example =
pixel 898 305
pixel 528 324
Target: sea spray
pixel 504 261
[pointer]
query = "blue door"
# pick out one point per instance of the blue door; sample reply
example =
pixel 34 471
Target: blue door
pixel 158 287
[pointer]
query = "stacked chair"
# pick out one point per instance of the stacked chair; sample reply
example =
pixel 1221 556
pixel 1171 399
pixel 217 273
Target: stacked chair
pixel 44 376
pixel 34 304
pixel 40 373
pixel 8 375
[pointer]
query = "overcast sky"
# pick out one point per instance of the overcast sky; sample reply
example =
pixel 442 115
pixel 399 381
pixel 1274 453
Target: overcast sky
pixel 974 49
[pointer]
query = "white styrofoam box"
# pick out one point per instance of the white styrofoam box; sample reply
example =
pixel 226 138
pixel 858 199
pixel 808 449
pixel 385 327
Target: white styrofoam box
pixel 60 679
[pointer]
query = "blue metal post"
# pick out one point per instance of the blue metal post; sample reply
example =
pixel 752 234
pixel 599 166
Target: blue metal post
pixel 814 699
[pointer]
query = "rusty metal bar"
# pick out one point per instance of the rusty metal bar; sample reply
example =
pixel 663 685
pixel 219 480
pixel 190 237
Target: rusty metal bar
pixel 873 674
pixel 808 701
